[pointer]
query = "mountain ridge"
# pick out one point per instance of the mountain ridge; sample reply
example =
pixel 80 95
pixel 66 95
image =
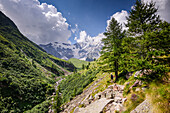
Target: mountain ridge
pixel 87 51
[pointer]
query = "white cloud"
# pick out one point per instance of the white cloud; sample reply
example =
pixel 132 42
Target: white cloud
pixel 120 17
pixel 163 8
pixel 84 38
pixel 41 23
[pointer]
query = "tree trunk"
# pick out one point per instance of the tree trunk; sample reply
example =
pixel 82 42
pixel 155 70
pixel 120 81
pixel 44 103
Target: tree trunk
pixel 116 70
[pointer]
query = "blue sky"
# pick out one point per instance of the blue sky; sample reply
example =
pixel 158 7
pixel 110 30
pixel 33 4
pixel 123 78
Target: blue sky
pixel 89 15
pixel 45 21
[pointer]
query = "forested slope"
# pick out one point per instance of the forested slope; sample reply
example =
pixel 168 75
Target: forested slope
pixel 23 84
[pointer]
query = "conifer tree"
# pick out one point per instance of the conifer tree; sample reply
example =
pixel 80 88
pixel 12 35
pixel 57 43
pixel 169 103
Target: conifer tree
pixel 112 49
pixel 143 18
pixel 145 38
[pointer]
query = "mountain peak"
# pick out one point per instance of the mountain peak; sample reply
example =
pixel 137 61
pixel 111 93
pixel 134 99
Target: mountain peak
pixel 80 50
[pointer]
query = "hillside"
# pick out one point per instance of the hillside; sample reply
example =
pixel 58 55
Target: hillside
pixel 27 72
pixel 10 31
pixel 78 63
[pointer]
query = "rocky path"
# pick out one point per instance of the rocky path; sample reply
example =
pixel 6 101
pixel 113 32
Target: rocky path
pixel 79 99
pixel 108 101
pixel 95 107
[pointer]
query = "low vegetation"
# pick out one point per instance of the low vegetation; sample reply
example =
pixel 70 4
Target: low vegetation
pixel 78 63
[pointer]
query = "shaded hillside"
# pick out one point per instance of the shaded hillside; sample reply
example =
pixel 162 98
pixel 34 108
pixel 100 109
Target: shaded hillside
pixel 23 83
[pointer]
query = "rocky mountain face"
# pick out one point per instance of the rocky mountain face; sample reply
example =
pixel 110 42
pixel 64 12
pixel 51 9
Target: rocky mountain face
pixel 87 51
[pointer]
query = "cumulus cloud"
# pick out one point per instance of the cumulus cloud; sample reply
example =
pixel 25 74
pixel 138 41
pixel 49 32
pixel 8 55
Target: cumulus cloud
pixel 41 23
pixel 84 38
pixel 163 8
pixel 120 17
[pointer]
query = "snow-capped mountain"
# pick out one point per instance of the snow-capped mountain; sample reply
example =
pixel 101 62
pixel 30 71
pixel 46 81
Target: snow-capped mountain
pixel 87 48
pixel 82 50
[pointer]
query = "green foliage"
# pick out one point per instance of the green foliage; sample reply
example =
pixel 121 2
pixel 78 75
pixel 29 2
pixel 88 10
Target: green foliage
pixel 57 101
pixel 78 63
pixel 75 83
pixel 40 108
pixel 30 49
pixel 147 40
pixel 143 18
pixel 23 84
pixel 112 49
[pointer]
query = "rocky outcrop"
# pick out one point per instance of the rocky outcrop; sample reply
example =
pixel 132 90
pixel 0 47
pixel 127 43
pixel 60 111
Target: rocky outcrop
pixel 109 101
pixel 144 107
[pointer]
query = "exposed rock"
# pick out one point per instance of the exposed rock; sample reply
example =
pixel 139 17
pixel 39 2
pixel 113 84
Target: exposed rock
pixel 124 100
pixel 137 89
pixel 103 95
pixel 96 107
pixel 76 110
pixel 118 100
pixel 129 74
pixel 97 96
pixel 109 95
pixel 144 107
pixel 110 87
pixel 137 73
pixel 91 97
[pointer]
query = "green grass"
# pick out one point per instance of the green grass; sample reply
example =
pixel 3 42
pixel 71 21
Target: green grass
pixel 78 63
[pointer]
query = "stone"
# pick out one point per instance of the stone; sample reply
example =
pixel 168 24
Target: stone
pixel 86 102
pixel 121 87
pixel 110 87
pixel 109 95
pixel 124 100
pixel 91 97
pixel 108 111
pixel 144 107
pixel 103 95
pixel 143 88
pixel 137 73
pixel 118 99
pixel 137 89
pixel 97 96
pixel 76 110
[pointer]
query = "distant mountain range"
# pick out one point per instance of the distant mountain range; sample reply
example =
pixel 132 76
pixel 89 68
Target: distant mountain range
pixel 88 50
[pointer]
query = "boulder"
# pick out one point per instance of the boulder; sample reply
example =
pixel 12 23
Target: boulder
pixel 110 87
pixel 91 97
pixel 124 100
pixel 118 100
pixel 143 88
pixel 86 102
pixel 137 89
pixel 109 94
pixel 97 96
pixel 76 110
pixel 103 95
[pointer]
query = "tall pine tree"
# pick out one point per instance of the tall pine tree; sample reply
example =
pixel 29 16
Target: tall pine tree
pixel 145 38
pixel 112 49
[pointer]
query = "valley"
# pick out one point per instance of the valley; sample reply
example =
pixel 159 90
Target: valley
pixel 123 70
